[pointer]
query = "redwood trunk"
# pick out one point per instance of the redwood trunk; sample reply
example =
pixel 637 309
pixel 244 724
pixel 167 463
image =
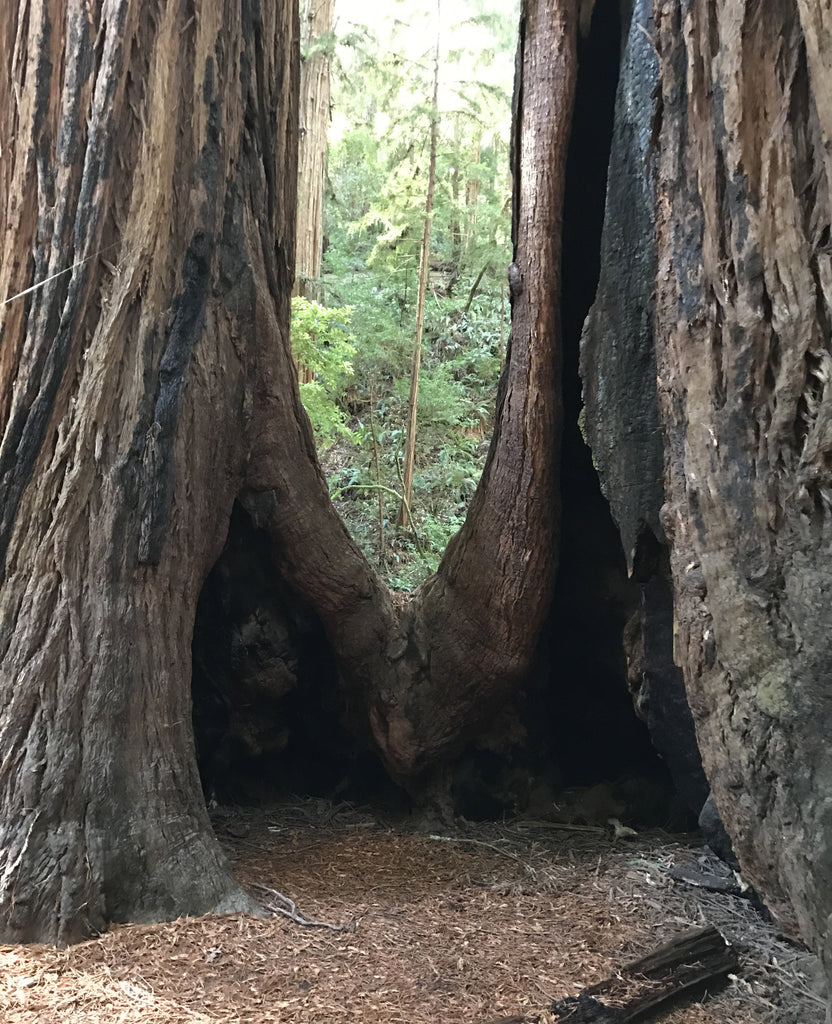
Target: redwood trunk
pixel 152 152
pixel 745 386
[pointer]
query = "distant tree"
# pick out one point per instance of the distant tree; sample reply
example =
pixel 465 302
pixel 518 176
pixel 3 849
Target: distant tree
pixel 422 287
pixel 317 42
pixel 382 95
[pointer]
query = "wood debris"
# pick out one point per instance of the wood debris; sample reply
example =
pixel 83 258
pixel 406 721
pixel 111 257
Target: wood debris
pixel 685 963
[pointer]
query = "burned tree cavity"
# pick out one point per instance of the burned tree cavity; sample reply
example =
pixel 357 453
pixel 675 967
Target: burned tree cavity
pixel 591 710
pixel 620 414
pixel 568 719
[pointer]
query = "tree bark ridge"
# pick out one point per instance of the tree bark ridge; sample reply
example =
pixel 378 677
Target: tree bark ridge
pixel 125 397
pixel 743 357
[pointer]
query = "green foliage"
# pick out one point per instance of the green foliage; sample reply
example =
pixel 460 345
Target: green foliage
pixel 322 344
pixel 322 45
pixel 374 211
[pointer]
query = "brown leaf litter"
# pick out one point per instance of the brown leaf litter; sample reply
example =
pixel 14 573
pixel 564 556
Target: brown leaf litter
pixel 488 924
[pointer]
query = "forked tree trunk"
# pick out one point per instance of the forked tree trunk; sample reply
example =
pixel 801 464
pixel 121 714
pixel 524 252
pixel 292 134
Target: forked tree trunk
pixel 426 669
pixel 151 149
pixel 745 387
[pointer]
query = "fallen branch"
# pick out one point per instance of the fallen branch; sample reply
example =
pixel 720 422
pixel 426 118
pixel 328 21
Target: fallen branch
pixel 480 842
pixel 558 826
pixel 288 908
pixel 733 886
pixel 687 962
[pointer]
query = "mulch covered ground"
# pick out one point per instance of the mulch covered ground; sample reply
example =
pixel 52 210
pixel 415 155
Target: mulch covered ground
pixel 491 922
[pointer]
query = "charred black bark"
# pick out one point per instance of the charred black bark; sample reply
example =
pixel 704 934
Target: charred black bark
pixel 620 406
pixel 590 707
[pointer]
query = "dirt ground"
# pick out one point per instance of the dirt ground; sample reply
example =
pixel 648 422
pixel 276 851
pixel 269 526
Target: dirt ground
pixel 488 923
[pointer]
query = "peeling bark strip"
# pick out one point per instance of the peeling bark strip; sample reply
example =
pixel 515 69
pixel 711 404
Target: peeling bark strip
pixel 745 386
pixel 133 146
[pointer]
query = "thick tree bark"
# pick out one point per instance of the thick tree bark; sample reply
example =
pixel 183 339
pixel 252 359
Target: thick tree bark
pixel 744 368
pixel 150 148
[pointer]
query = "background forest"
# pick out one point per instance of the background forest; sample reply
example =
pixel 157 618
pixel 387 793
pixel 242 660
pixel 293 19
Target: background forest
pixel 353 332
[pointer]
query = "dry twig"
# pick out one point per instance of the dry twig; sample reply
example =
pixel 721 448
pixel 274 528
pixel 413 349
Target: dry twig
pixel 288 908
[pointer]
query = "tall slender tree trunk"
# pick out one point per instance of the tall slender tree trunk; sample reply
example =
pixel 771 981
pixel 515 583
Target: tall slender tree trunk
pixel 472 194
pixel 424 271
pixel 316 21
pixel 456 225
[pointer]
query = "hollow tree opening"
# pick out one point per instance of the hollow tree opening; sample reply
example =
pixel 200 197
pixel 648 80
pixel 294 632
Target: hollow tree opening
pixel 615 577
pixel 571 723
pixel 591 712
pixel 269 717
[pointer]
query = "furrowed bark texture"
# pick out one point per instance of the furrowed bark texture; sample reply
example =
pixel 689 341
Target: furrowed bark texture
pixel 745 388
pixel 426 669
pixel 150 147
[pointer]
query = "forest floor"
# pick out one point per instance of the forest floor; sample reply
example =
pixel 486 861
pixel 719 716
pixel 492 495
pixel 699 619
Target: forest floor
pixel 482 924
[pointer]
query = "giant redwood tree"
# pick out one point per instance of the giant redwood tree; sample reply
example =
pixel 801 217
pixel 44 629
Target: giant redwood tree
pixel 147 183
pixel 744 356
pixel 149 157
pixel 146 382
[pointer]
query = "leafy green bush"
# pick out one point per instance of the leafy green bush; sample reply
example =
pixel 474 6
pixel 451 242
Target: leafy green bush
pixel 322 343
